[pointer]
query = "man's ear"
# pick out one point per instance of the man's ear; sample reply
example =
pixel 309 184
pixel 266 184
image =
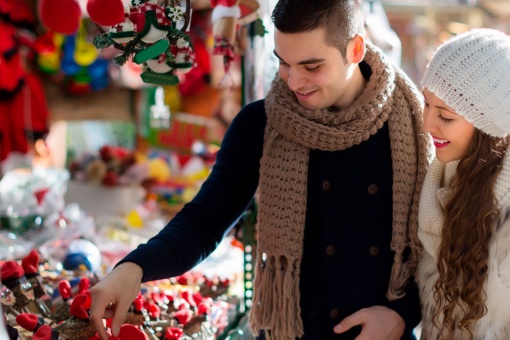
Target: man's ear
pixel 356 49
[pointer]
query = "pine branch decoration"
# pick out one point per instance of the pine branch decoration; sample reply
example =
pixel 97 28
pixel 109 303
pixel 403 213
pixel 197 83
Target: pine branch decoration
pixel 102 41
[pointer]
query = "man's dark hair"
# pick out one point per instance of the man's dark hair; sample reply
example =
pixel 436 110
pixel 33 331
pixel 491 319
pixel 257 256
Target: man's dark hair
pixel 340 19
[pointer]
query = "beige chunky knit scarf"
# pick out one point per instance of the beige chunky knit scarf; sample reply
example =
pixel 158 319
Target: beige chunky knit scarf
pixel 291 132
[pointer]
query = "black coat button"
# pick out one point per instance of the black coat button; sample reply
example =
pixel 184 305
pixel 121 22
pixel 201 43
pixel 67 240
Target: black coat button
pixel 326 185
pixel 374 250
pixel 373 189
pixel 334 313
pixel 330 250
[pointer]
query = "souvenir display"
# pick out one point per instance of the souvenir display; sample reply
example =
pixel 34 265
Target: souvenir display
pixel 187 307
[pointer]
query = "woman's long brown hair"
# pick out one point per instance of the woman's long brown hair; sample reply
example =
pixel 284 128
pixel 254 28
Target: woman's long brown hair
pixel 471 213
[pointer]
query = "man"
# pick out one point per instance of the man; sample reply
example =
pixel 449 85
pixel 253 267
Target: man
pixel 336 152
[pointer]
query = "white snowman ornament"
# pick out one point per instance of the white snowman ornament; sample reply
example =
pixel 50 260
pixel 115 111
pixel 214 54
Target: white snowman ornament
pixel 183 56
pixel 123 32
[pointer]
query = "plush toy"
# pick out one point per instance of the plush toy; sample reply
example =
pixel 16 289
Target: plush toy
pixel 160 70
pixel 184 56
pixel 22 101
pixel 224 18
pixel 155 27
pixel 150 20
pixel 124 31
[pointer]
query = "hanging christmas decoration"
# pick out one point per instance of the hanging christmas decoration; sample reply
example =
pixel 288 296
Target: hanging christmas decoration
pixel 153 34
pixel 224 18
pixel 72 61
pixel 149 32
pixel 230 20
pixel 52 15
pixel 23 110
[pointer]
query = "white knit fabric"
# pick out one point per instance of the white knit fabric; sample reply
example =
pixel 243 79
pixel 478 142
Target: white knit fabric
pixel 471 74
pixel 433 200
pixel 495 325
pixel 434 196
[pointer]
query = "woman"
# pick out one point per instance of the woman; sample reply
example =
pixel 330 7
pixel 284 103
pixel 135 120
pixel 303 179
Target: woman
pixel 464 212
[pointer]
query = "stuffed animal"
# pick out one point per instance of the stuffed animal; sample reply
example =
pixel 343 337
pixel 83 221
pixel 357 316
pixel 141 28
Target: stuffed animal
pixel 224 18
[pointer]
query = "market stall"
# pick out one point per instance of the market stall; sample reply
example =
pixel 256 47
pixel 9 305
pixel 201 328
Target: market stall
pixel 124 114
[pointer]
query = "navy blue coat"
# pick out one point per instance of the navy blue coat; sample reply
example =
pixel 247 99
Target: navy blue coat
pixel 346 257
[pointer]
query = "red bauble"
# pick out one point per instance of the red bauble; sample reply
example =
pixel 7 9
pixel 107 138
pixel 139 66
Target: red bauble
pixel 62 16
pixel 106 12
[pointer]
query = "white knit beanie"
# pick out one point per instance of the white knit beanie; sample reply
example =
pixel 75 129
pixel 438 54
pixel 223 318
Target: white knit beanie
pixel 471 74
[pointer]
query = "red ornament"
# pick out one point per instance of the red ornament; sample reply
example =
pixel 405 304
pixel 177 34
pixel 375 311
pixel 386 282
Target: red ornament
pixel 78 307
pixel 173 333
pixel 106 153
pixel 30 263
pixel 62 16
pixel 188 296
pixel 138 303
pixel 153 309
pixel 198 297
pixel 28 321
pixel 88 303
pixel 11 270
pixel 43 333
pixel 106 12
pixel 129 332
pixel 110 179
pixel 204 308
pixel 183 316
pixel 226 3
pixel 40 194
pixel 64 288
pixel 83 285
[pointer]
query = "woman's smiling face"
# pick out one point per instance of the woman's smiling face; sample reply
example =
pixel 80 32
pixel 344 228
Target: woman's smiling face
pixel 450 131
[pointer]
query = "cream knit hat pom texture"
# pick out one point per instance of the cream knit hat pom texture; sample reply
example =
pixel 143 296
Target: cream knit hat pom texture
pixel 471 73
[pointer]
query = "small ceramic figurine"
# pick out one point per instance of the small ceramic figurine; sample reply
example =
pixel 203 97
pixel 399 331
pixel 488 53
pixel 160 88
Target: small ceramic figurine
pixel 30 264
pixel 13 277
pixel 78 326
pixel 61 311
